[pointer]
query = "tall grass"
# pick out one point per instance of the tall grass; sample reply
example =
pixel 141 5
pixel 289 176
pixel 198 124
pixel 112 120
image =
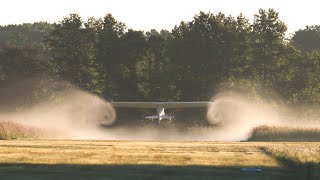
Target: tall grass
pixel 289 134
pixel 12 130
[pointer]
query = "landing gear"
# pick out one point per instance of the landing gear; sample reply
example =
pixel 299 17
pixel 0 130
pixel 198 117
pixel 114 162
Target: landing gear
pixel 161 115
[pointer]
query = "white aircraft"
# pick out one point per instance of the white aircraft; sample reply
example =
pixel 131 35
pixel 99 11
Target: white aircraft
pixel 160 106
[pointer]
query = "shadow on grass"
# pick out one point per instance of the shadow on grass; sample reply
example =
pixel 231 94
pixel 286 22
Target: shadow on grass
pixel 305 171
pixel 61 171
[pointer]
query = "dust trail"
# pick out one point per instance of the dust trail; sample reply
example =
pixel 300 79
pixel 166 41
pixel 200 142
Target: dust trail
pixel 75 114
pixel 232 115
pixel 236 116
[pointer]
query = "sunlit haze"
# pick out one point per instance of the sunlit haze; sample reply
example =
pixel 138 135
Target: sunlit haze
pixel 155 14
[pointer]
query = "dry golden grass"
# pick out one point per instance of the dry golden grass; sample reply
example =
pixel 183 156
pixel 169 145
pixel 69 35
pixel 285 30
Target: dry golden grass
pixel 45 159
pixel 138 152
pixel 297 153
pixel 10 130
pixel 285 134
pixel 303 157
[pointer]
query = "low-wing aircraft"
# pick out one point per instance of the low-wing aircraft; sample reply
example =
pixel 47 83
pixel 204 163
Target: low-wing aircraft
pixel 160 106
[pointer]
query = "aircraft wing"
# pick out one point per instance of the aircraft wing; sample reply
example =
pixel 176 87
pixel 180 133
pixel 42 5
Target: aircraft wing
pixel 161 104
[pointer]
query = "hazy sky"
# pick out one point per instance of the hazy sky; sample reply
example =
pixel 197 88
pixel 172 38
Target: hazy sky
pixel 158 14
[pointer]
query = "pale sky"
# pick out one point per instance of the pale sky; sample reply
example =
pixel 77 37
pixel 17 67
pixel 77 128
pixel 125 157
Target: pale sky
pixel 157 14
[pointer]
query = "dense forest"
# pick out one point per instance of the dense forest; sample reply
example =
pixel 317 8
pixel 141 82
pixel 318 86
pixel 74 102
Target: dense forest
pixel 191 62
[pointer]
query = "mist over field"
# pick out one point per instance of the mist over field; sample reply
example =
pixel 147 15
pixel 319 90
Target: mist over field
pixel 80 115
pixel 74 112
pixel 235 114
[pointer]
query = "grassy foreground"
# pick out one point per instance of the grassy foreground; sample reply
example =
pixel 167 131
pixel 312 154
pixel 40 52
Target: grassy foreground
pixel 149 160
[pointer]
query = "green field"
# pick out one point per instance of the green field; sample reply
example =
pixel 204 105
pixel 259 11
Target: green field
pixel 59 159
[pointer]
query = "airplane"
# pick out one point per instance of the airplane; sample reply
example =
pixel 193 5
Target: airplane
pixel 160 106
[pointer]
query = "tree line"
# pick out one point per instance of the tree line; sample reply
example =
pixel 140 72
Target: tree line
pixel 191 62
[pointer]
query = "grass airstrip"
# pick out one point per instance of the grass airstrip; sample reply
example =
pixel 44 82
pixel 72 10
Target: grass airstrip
pixel 69 159
pixel 25 153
